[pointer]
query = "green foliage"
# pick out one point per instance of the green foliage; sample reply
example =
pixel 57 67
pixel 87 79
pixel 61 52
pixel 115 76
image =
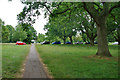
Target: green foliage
pixel 51 37
pixel 84 37
pixel 113 28
pixel 78 37
pixel 30 31
pixel 60 27
pixel 1 24
pixel 19 34
pixel 87 27
pixel 63 15
pixel 41 37
pixel 31 11
pixel 5 34
pixel 11 31
pixel 23 32
pixel 111 38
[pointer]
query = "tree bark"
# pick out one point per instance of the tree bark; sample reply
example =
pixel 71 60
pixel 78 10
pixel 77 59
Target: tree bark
pixel 118 39
pixel 100 19
pixel 71 39
pixel 91 38
pixel 102 38
pixel 92 42
pixel 64 39
pixel 118 31
pixel 119 43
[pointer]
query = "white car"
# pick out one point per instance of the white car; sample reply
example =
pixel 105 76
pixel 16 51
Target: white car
pixel 115 43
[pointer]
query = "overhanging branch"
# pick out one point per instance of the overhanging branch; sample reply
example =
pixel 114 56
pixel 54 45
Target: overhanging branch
pixel 116 6
pixel 63 11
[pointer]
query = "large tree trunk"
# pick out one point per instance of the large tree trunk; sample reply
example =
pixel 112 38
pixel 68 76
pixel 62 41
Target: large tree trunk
pixel 92 42
pixel 100 19
pixel 102 39
pixel 71 39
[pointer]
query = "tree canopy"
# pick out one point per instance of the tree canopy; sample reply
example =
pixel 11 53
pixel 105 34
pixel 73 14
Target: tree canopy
pixel 66 13
pixel 19 34
pixel 22 32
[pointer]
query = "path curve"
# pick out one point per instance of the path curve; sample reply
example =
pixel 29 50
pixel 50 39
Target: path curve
pixel 33 66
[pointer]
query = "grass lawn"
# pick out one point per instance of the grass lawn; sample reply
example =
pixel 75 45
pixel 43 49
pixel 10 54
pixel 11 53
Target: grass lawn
pixel 78 61
pixel 13 57
pixel 0 61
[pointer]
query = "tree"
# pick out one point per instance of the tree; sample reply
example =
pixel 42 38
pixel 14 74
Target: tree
pixel 98 11
pixel 30 31
pixel 51 37
pixel 113 26
pixel 59 27
pixel 57 30
pixel 41 37
pixel 1 24
pixel 100 15
pixel 11 30
pixel 84 37
pixel 5 34
pixel 78 37
pixel 116 34
pixel 87 26
pixel 19 34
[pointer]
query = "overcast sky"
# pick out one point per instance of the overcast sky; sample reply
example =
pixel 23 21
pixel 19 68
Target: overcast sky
pixel 9 11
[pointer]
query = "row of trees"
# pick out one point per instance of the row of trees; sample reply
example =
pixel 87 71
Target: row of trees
pixel 51 38
pixel 88 17
pixel 86 26
pixel 68 25
pixel 20 33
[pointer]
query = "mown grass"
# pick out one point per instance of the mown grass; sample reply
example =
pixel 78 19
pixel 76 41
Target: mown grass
pixel 13 57
pixel 0 61
pixel 77 61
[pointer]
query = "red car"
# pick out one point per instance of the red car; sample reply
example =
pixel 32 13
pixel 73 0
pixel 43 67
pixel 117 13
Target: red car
pixel 20 43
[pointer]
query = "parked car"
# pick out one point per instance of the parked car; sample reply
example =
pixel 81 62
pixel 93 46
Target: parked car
pixel 95 42
pixel 68 43
pixel 57 42
pixel 115 43
pixel 45 42
pixel 20 43
pixel 87 42
pixel 78 42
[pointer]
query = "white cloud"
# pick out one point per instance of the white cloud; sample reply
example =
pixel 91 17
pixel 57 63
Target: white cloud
pixel 9 11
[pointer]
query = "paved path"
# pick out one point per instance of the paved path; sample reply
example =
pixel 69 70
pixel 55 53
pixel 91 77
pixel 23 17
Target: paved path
pixel 33 66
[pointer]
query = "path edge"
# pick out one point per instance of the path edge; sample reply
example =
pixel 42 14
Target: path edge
pixel 22 68
pixel 44 65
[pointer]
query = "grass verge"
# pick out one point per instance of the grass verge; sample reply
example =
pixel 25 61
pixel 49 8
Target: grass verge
pixel 78 61
pixel 12 59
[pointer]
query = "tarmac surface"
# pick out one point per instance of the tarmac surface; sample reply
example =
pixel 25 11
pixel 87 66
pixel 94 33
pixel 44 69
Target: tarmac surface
pixel 33 66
